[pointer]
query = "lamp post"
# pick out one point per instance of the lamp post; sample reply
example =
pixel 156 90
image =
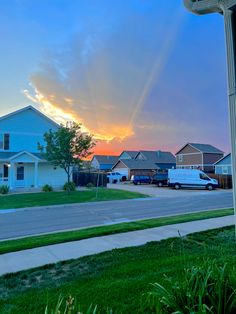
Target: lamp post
pixel 228 9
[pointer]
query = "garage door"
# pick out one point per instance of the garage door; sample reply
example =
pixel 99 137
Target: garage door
pixel 123 171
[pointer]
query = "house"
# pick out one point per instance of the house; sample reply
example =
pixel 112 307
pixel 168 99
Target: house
pixel 224 166
pixel 198 156
pixel 164 160
pixel 128 154
pixel 129 167
pixel 21 165
pixel 103 162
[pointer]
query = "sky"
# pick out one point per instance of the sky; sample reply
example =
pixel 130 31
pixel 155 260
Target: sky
pixel 138 74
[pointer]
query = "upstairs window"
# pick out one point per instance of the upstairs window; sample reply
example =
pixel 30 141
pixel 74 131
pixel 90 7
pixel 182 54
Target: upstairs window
pixel 4 141
pixel 180 158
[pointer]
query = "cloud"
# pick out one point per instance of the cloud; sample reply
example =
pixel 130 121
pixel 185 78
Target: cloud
pixel 103 75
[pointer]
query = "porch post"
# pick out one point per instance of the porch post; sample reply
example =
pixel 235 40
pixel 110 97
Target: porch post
pixel 229 18
pixel 11 175
pixel 36 166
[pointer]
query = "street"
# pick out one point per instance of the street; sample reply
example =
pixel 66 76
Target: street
pixel 32 221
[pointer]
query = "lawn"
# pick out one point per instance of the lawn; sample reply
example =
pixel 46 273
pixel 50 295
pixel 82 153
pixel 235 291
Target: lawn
pixel 60 237
pixel 115 279
pixel 56 198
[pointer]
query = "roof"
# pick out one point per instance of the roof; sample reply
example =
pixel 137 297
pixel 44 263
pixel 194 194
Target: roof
pixel 159 156
pixel 106 159
pixel 138 164
pixel 28 108
pixel 221 159
pixel 6 156
pixel 131 153
pixel 203 148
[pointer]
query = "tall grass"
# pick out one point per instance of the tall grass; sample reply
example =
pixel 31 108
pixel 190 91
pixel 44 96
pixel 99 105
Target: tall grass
pixel 198 290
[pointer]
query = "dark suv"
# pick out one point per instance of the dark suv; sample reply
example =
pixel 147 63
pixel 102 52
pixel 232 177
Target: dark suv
pixel 160 179
pixel 141 179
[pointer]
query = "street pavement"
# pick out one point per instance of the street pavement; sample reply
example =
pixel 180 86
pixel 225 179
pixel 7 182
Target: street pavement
pixel 26 259
pixel 32 221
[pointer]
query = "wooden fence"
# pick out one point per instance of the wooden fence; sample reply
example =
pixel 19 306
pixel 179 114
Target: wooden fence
pixel 225 181
pixel 84 178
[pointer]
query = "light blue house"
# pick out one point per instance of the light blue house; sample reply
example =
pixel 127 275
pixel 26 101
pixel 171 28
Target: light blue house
pixel 21 165
pixel 103 162
pixel 223 166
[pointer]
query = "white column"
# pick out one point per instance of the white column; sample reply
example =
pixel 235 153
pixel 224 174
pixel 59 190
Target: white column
pixel 230 47
pixel 11 175
pixel 36 166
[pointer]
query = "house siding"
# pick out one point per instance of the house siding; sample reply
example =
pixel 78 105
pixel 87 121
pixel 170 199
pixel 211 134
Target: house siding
pixel 189 160
pixel 211 158
pixel 26 130
pixel 187 150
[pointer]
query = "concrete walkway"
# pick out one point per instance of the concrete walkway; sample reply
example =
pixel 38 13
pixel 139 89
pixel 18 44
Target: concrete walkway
pixel 22 260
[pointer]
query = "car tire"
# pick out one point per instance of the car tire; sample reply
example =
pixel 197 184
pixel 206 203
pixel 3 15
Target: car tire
pixel 209 187
pixel 177 186
pixel 159 184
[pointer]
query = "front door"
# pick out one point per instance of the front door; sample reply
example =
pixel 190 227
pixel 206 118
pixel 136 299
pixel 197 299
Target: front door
pixel 20 176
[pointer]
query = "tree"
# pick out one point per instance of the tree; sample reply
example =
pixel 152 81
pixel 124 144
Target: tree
pixel 66 147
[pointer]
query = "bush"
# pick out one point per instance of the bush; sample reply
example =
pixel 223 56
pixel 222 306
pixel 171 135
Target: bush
pixel 4 189
pixel 90 185
pixel 200 289
pixel 47 188
pixel 69 186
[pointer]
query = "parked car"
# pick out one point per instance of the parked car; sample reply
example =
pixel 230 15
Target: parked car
pixel 141 179
pixel 178 178
pixel 160 179
pixel 114 177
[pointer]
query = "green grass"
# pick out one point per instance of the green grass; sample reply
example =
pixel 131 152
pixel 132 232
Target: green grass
pixel 56 198
pixel 60 237
pixel 115 279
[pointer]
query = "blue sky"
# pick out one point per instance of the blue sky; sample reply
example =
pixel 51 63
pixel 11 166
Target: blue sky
pixel 138 74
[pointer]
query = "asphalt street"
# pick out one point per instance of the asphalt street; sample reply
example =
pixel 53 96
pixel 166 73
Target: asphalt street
pixel 32 221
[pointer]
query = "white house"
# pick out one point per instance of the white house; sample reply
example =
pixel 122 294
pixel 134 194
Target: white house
pixel 21 165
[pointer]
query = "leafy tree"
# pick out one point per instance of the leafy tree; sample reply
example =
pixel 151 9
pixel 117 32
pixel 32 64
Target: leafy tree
pixel 66 147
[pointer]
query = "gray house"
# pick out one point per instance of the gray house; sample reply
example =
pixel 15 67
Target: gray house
pixel 223 166
pixel 163 160
pixel 198 156
pixel 103 162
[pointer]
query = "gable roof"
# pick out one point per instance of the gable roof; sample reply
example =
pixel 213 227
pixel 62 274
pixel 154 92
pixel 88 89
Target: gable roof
pixel 106 159
pixel 131 153
pixel 203 148
pixel 223 158
pixel 158 156
pixel 7 156
pixel 29 108
pixel 138 164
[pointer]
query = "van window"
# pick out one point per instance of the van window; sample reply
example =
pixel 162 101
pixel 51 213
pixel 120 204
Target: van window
pixel 203 176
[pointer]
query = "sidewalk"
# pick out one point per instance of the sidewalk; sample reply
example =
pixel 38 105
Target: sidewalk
pixel 22 260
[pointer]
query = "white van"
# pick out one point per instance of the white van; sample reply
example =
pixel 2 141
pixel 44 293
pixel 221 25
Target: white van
pixel 178 178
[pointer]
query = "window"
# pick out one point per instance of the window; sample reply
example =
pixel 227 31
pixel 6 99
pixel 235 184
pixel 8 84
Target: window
pixel 224 170
pixel 5 171
pixel 180 158
pixel 203 176
pixel 4 141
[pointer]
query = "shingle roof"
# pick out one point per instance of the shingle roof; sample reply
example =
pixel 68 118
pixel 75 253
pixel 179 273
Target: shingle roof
pixel 221 159
pixel 131 153
pixel 159 156
pixel 206 148
pixel 106 159
pixel 139 164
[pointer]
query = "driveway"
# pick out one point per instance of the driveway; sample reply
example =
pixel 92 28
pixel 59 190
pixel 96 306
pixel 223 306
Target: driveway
pixel 154 191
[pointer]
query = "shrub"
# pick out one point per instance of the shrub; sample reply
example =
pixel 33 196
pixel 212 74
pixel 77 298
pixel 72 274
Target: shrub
pixel 90 185
pixel 4 189
pixel 69 186
pixel 47 188
pixel 201 289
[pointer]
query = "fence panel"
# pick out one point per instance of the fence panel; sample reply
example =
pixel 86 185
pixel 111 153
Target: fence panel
pixel 84 178
pixel 225 181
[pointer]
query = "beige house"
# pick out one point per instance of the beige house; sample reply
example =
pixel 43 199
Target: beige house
pixel 198 156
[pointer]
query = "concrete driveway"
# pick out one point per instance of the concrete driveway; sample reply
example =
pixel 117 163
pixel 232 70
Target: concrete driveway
pixel 154 191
